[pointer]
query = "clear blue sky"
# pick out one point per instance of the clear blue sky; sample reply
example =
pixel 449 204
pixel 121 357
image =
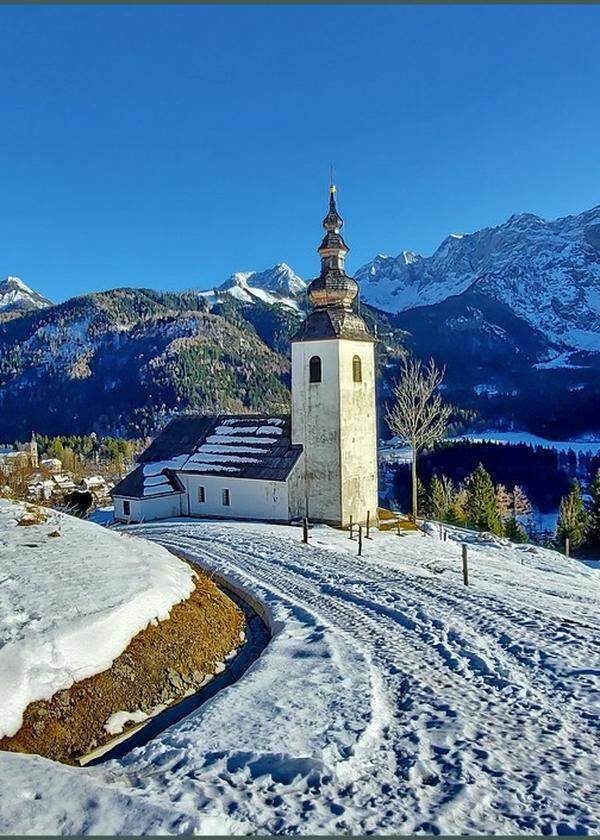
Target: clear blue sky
pixel 169 146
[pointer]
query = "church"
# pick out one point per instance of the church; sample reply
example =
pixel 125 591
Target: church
pixel 320 462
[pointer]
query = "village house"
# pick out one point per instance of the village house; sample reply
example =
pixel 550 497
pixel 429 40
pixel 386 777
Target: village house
pixel 320 462
pixel 46 479
pixel 20 455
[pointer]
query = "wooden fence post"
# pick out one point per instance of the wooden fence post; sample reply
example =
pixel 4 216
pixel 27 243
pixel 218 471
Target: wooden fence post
pixel 465 565
pixel 305 530
pixel 351 526
pixel 567 547
pixel 368 524
pixel 360 540
pixel 440 526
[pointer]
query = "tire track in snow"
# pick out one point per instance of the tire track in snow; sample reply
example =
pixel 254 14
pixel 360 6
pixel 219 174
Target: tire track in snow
pixel 429 753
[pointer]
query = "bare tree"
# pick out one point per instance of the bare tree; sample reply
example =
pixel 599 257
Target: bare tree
pixel 418 417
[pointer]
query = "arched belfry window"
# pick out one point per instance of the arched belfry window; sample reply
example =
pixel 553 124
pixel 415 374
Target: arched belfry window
pixel 314 369
pixel 356 369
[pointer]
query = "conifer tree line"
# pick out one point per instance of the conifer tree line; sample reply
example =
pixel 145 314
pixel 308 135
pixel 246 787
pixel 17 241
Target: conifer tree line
pixel 478 504
pixel 579 518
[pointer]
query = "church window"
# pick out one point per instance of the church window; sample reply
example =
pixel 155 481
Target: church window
pixel 314 367
pixel 356 369
pixel 126 508
pixel 201 494
pixel 226 499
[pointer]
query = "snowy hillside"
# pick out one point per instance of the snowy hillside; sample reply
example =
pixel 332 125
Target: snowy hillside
pixel 73 596
pixel 275 285
pixel 16 296
pixel 391 699
pixel 547 272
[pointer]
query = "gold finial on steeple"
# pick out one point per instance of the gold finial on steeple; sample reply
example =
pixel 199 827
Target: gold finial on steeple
pixel 331 184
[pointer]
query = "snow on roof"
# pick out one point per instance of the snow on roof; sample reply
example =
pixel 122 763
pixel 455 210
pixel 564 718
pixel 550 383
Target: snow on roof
pixel 245 446
pixel 70 606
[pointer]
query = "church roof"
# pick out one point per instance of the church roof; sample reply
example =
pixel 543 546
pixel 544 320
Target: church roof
pixel 137 485
pixel 333 322
pixel 254 446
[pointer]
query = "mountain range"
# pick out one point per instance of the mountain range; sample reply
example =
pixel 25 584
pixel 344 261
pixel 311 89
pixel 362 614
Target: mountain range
pixel 512 311
pixel 546 272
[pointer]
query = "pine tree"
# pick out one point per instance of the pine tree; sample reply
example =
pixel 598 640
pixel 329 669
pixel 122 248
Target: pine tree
pixel 421 494
pixel 437 500
pixel 594 511
pixel 515 531
pixel 572 518
pixel 482 509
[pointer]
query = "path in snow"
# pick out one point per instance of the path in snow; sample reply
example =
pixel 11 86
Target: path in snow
pixel 391 699
pixel 473 717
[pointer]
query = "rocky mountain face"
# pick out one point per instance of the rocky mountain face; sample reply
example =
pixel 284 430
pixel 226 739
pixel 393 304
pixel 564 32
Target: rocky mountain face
pixel 546 272
pixel 16 296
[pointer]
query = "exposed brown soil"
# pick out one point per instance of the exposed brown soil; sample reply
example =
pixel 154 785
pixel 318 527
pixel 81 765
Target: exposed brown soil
pixel 160 665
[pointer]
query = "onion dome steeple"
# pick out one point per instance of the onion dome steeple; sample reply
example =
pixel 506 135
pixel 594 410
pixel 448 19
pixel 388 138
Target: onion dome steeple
pixel 333 287
pixel 333 221
pixel 332 294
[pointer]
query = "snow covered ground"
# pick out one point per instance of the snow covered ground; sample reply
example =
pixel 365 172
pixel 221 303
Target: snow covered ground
pixel 391 699
pixel 577 446
pixel 72 596
pixel 392 452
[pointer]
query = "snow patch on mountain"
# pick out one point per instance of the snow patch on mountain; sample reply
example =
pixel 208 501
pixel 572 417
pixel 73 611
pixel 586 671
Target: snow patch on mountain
pixel 16 296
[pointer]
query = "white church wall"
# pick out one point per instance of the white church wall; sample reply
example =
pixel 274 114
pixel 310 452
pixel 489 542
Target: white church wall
pixel 248 498
pixel 296 490
pixel 336 423
pixel 358 432
pixel 315 424
pixel 145 510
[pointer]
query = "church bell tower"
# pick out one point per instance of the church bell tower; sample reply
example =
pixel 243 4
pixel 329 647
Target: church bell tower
pixel 333 392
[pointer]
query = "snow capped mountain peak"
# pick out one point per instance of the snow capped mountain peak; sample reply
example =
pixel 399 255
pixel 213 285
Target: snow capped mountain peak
pixel 16 281
pixel 238 279
pixel 16 296
pixel 524 221
pixel 279 284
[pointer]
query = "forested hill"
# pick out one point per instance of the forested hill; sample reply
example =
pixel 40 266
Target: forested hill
pixel 121 362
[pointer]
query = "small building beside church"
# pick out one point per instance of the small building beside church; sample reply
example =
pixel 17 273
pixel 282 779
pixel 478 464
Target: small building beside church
pixel 320 461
